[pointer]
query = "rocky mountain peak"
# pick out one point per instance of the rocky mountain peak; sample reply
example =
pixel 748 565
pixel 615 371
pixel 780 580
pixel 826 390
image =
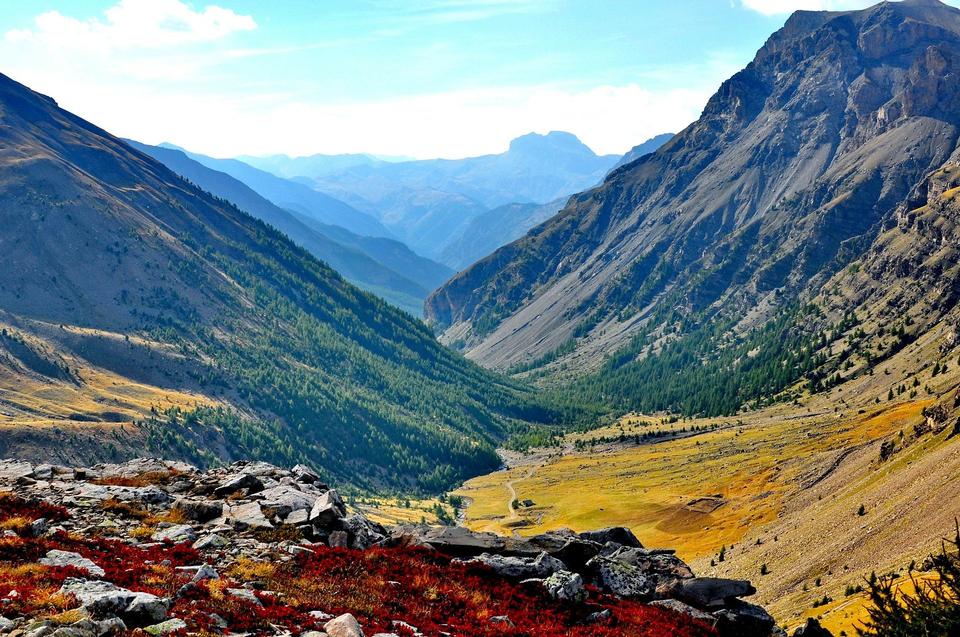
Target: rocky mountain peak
pixel 552 142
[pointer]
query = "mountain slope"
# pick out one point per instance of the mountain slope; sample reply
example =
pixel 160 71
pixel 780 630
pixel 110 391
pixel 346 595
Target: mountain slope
pixel 348 254
pixel 292 195
pixel 117 268
pixel 687 255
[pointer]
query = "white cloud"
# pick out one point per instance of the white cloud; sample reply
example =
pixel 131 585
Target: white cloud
pixel 134 24
pixel 778 7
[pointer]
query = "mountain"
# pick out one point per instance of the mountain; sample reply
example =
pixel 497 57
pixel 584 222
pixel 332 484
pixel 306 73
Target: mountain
pixel 385 267
pixel 428 203
pixel 292 195
pixel 695 278
pixel 489 230
pixel 140 314
pixel 647 147
pixel 309 166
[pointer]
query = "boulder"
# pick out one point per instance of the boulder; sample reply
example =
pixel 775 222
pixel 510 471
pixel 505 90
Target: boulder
pixel 741 619
pixel 713 592
pixel 244 594
pixel 303 473
pixel 166 628
pixel 685 609
pixel 14 469
pixel 68 558
pixel 615 534
pixel 102 599
pixel 175 533
pixel 283 500
pixel 210 541
pixel 621 579
pixel 456 541
pixel 328 509
pixel 521 567
pixel 565 586
pixel 199 510
pixel 246 516
pixel 246 482
pixel 343 626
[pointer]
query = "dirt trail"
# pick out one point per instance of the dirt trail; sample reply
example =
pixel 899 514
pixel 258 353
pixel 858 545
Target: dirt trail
pixel 511 511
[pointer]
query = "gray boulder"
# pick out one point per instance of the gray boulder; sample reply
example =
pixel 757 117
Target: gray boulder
pixel 175 533
pixel 713 592
pixel 616 534
pixel 685 609
pixel 68 558
pixel 328 509
pixel 542 565
pixel 199 510
pixel 166 628
pixel 621 579
pixel 102 599
pixel 741 619
pixel 282 500
pixel 812 629
pixel 246 482
pixel 565 586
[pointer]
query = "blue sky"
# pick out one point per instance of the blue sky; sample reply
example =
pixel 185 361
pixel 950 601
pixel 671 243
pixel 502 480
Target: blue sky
pixel 423 78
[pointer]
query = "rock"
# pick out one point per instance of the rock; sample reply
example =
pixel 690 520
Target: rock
pixel 812 629
pixel 338 540
pixel 303 473
pixel 616 534
pixel 362 532
pixel 405 627
pixel 621 579
pixel 456 541
pixel 247 516
pixel 210 541
pixel 565 586
pixel 502 620
pixel 167 627
pixel 14 469
pixel 679 607
pixel 599 617
pixel 521 567
pixel 315 633
pixel 39 526
pixel 43 471
pixel 283 500
pixel 741 619
pixel 199 510
pixel 102 599
pixel 111 627
pixel 713 592
pixel 244 594
pixel 328 508
pixel 343 626
pixel 238 482
pixel 176 533
pixel 67 558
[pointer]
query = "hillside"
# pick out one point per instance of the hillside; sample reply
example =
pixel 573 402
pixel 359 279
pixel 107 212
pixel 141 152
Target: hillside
pixel 641 150
pixel 698 263
pixel 127 290
pixel 383 266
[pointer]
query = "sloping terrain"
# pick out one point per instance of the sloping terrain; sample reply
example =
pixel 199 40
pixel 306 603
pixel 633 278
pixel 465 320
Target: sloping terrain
pixel 640 150
pixel 115 262
pixel 357 258
pixel 796 165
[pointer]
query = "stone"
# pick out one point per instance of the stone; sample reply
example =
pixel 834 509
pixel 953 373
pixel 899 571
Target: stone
pixel 166 627
pixel 338 540
pixel 685 609
pixel 284 500
pixel 299 517
pixel 599 617
pixel 238 482
pixel 67 558
pixel 616 534
pixel 210 541
pixel 247 516
pixel 315 633
pixel 521 567
pixel 199 510
pixel 13 469
pixel 244 594
pixel 565 586
pixel 328 509
pixel 343 626
pixel 111 627
pixel 502 620
pixel 303 473
pixel 43 471
pixel 713 592
pixel 102 599
pixel 621 579
pixel 175 533
pixel 362 532
pixel 742 619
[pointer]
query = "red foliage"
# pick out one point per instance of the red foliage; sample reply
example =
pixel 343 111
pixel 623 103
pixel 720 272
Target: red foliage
pixel 13 507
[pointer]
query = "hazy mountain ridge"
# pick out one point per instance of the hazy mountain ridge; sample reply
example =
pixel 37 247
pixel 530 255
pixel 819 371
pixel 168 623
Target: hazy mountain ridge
pixel 791 171
pixel 383 266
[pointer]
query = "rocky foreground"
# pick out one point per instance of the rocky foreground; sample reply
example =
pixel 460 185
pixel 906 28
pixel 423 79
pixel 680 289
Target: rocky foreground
pixel 164 548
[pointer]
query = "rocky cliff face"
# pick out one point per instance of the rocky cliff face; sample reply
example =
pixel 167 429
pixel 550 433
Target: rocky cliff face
pixel 791 171
pixel 251 547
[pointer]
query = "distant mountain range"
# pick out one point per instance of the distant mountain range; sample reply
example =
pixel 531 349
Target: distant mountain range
pixel 140 314
pixel 430 204
pixel 380 265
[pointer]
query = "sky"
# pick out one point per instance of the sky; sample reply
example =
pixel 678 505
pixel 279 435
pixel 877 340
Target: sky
pixel 413 78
